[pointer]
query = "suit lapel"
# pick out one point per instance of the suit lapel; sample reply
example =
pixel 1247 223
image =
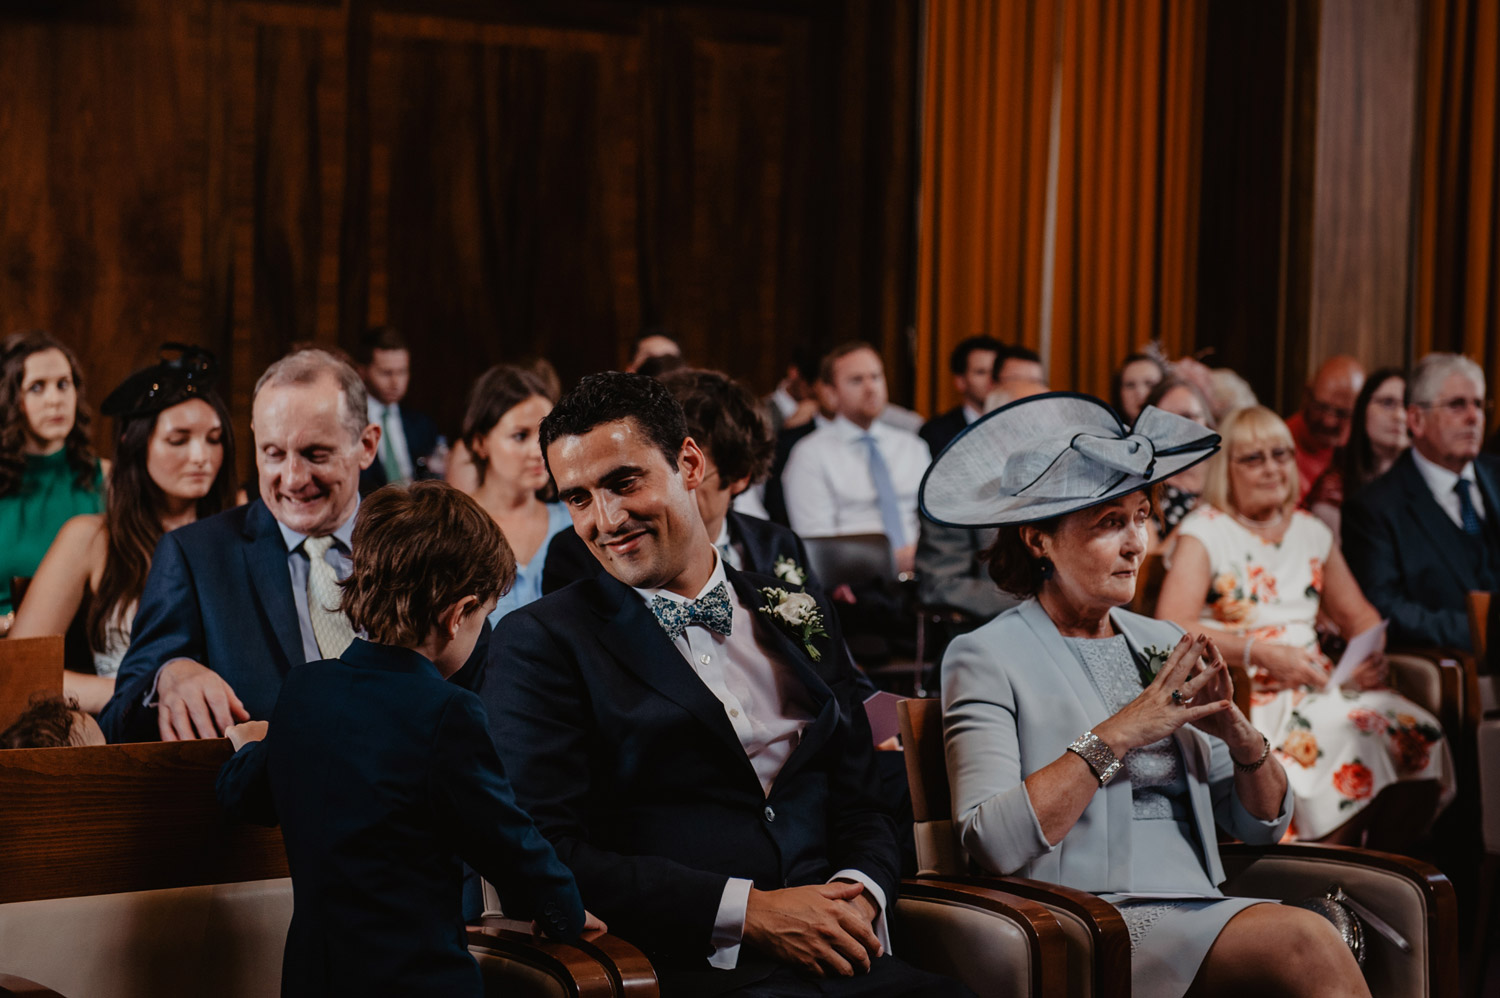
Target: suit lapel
pixel 748 539
pixel 1431 519
pixel 635 639
pixel 265 560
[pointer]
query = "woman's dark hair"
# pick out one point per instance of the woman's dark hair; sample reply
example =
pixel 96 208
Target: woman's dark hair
pixel 617 395
pixel 46 723
pixel 498 391
pixel 1012 565
pixel 14 351
pixel 417 549
pixel 1117 380
pixel 133 513
pixel 1357 463
pixel 726 421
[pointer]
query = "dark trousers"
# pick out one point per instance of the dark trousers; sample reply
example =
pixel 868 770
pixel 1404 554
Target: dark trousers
pixel 889 977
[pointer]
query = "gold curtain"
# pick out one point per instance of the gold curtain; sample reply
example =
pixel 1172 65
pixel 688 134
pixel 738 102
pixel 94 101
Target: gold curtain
pixel 1458 262
pixel 1126 75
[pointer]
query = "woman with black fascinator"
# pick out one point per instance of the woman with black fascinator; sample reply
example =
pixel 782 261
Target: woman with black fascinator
pixel 174 463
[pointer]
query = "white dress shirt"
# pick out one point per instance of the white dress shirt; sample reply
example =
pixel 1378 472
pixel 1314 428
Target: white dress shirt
pixel 393 430
pixel 1443 484
pixel 827 483
pixel 971 413
pixel 768 708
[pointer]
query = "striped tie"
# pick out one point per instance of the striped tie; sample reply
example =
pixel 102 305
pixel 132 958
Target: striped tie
pixel 329 624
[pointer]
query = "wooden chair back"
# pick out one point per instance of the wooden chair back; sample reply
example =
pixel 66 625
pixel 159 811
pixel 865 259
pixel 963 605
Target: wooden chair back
pixel 851 560
pixel 938 848
pixel 1148 584
pixel 111 818
pixel 1482 672
pixel 28 667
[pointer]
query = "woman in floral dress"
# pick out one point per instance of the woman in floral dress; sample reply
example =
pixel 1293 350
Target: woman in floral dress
pixel 1257 572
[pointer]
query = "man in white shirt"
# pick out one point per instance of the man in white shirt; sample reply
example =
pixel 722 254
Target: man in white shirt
pixel 700 762
pixel 1423 535
pixel 857 475
pixel 409 440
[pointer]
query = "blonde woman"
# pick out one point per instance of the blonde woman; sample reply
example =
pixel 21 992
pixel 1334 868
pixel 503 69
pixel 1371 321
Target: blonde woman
pixel 1255 572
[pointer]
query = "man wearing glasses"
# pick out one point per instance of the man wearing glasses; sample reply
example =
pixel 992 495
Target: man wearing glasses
pixel 1323 422
pixel 1426 533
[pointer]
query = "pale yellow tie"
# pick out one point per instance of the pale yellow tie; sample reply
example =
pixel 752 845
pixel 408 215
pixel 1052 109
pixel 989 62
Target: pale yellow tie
pixel 329 624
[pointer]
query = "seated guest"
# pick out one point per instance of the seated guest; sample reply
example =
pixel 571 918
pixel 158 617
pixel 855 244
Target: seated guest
pixel 652 342
pixel 1322 425
pixel 690 739
pixel 1425 534
pixel 1132 383
pixel 972 364
pixel 857 475
pixel 794 402
pixel 174 463
pixel 1377 436
pixel 725 422
pixel 48 471
pixel 1131 694
pixel 1230 392
pixel 383 776
pixel 409 440
pixel 52 722
pixel 820 414
pixel 951 571
pixel 1178 495
pixel 233 602
pixel 1255 572
pixel 505 408
pixel 1018 371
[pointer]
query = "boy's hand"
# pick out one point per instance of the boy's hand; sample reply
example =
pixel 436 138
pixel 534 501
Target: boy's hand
pixel 246 731
pixel 593 926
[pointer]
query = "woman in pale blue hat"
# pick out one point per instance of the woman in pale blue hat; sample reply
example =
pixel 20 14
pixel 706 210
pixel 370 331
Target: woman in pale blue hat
pixel 1096 748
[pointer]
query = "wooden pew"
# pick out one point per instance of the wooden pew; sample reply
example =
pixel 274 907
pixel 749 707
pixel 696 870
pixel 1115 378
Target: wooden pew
pixel 28 666
pixel 121 876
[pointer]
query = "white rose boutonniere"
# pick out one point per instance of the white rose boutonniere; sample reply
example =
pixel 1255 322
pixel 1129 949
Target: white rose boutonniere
pixel 798 614
pixel 789 571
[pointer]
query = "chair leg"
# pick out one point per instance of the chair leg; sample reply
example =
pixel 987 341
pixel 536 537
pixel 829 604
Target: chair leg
pixel 1489 874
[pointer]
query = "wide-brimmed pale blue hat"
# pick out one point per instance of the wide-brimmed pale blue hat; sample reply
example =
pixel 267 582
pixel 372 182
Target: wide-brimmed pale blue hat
pixel 1056 453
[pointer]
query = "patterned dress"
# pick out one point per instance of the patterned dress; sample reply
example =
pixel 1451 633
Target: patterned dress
pixel 1339 747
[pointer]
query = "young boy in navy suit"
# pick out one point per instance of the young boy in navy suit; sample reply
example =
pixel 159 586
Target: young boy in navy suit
pixel 383 775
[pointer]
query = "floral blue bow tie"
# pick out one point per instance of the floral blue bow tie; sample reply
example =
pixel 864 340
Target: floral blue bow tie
pixel 712 611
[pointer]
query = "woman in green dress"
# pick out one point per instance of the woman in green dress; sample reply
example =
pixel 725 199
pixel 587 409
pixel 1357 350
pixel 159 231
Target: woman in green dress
pixel 48 471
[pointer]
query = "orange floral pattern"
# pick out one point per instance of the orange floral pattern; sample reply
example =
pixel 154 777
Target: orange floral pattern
pixel 1301 747
pixel 1354 780
pixel 1366 720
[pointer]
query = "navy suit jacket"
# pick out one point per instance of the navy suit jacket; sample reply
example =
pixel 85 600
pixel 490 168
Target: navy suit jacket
pixel 631 768
pixel 218 593
pixel 762 541
pixel 939 431
pixel 1412 561
pixel 421 440
pixel 382 777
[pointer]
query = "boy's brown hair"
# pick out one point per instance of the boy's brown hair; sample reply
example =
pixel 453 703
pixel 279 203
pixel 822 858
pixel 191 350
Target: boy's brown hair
pixel 726 421
pixel 417 550
pixel 47 723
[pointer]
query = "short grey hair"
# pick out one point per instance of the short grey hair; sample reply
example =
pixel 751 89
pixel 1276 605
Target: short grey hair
pixel 1435 368
pixel 305 367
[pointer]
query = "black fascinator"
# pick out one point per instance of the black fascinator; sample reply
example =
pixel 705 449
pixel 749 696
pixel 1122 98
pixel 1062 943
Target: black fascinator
pixel 184 372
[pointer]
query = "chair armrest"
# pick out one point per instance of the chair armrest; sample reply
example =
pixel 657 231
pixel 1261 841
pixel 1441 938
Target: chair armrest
pixel 1433 680
pixel 516 962
pixel 1098 941
pixel 993 941
pixel 20 987
pixel 1414 898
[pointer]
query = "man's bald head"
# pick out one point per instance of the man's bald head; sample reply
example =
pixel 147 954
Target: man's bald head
pixel 1328 404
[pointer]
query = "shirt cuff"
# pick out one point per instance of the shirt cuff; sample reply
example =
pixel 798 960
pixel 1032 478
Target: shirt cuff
pixel 729 924
pixel 150 700
pixel 882 931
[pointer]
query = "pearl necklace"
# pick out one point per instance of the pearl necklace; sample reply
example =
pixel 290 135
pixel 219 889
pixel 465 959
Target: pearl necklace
pixel 1250 524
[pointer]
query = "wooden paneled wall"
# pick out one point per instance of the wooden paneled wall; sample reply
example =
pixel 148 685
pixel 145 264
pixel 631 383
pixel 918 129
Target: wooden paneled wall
pixel 498 179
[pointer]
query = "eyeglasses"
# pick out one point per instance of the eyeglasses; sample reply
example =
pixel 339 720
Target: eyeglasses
pixel 1457 406
pixel 1281 455
pixel 1318 408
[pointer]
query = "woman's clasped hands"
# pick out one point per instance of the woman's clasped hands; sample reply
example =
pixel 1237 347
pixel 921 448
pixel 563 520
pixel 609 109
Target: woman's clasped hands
pixel 1197 673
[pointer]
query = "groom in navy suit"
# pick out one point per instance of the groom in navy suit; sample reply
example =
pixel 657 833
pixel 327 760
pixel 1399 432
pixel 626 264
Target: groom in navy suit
pixel 704 767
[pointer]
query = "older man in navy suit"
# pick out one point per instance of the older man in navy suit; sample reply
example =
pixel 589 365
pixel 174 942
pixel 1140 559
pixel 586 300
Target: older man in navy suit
pixel 689 738
pixel 234 601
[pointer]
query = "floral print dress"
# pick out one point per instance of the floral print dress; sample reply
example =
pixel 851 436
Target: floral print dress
pixel 1339 747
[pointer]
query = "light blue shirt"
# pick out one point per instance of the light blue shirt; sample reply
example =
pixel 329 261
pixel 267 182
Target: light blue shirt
pixel 337 555
pixel 528 587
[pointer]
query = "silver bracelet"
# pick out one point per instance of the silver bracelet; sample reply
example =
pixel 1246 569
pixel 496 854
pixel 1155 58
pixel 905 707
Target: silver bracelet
pixel 1248 643
pixel 1101 759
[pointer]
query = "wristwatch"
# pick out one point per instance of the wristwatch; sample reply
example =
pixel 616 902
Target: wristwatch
pixel 1101 759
